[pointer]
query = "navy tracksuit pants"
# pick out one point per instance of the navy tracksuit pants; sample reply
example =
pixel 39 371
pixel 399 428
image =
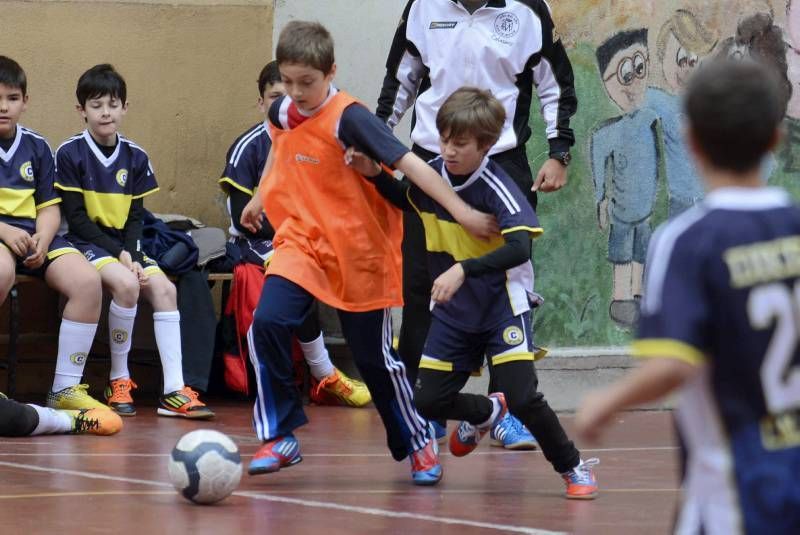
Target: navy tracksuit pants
pixel 278 410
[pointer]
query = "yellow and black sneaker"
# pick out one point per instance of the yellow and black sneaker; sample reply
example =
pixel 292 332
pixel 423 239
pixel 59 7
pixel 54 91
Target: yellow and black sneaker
pixel 118 396
pixel 95 422
pixel 184 403
pixel 74 398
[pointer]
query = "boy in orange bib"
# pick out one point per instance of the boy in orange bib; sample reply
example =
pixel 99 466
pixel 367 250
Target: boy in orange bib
pixel 336 240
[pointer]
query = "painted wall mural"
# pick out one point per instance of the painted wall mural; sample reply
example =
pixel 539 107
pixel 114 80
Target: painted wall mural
pixel 633 169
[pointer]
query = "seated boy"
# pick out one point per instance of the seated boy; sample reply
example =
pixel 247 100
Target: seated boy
pixel 103 178
pixel 29 220
pixel 481 292
pixel 244 164
pixel 25 420
pixel 721 315
pixel 338 241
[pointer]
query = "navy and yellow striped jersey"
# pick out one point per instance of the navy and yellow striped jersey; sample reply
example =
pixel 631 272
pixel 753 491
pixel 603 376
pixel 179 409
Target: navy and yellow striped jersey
pixel 723 292
pixel 108 184
pixel 484 301
pixel 245 163
pixel 26 180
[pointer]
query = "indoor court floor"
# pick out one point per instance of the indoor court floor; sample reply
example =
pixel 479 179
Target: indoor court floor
pixel 347 483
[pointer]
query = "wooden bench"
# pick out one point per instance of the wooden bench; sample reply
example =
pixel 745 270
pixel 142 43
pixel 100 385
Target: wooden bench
pixel 10 363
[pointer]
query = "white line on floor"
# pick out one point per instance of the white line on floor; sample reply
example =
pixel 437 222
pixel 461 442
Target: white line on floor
pixel 300 502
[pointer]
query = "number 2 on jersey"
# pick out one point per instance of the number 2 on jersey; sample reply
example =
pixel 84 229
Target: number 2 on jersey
pixel 777 304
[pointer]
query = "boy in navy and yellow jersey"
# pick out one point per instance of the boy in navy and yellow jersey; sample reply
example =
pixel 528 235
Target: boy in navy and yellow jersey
pixel 103 178
pixel 721 317
pixel 29 243
pixel 338 241
pixel 482 292
pixel 243 168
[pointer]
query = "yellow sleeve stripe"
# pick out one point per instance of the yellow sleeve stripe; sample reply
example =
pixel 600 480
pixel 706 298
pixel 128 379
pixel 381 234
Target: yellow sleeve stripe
pixel 667 348
pixel 68 188
pixel 145 194
pixel 51 202
pixel 230 182
pixel 534 231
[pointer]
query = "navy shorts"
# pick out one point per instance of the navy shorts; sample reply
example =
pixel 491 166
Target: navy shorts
pixel 450 349
pixel 58 247
pixel 99 257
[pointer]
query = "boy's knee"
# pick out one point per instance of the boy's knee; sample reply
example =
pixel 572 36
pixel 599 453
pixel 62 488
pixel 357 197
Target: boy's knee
pixel 86 285
pixel 7 279
pixel 126 291
pixel 164 291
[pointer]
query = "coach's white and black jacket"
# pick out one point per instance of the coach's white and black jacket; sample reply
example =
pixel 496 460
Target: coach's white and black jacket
pixel 506 46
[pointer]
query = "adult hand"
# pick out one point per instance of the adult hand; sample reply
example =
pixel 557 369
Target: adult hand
pixel 552 176
pixel 447 284
pixel 251 214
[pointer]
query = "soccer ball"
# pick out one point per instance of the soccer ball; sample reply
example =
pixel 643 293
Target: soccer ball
pixel 205 466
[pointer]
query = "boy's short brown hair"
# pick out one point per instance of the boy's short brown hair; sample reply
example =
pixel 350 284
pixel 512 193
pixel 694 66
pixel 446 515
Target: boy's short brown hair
pixel 306 43
pixel 472 112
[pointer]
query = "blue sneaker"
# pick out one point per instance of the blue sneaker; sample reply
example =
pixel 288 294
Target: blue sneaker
pixel 274 455
pixel 510 434
pixel 438 431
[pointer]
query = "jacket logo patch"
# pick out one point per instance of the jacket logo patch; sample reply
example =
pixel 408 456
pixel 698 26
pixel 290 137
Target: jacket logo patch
pixel 26 172
pixel 307 159
pixel 506 25
pixel 442 25
pixel 122 177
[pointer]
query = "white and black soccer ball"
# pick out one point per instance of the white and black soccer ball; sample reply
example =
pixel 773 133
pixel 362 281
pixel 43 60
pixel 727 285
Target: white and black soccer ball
pixel 205 466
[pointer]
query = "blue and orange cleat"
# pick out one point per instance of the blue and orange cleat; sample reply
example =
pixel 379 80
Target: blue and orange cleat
pixel 275 454
pixel 466 436
pixel 581 483
pixel 425 467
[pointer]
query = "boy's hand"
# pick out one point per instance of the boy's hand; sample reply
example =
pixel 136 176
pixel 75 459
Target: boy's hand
pixel 551 177
pixel 481 225
pixel 602 214
pixel 361 163
pixel 138 270
pixel 36 258
pixel 251 214
pixel 20 242
pixel 593 416
pixel 126 259
pixel 447 284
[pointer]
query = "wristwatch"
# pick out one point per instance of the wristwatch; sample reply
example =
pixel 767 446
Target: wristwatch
pixel 563 157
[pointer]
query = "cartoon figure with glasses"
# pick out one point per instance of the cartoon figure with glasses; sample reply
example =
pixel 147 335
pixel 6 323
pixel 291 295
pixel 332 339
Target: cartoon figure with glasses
pixel 682 44
pixel 624 159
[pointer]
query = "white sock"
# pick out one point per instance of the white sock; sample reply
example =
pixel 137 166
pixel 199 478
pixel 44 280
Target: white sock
pixel 495 411
pixel 74 342
pixel 51 421
pixel 317 357
pixel 167 327
pixel 120 332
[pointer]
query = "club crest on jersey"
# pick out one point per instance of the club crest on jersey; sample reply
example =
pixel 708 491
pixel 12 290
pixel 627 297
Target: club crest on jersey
pixel 78 358
pixel 512 335
pixel 122 177
pixel 26 172
pixel 506 25
pixel 442 25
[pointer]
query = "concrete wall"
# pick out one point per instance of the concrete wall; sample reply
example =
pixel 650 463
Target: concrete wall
pixel 191 68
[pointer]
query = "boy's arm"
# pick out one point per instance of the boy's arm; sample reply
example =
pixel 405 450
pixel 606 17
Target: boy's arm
pixel 251 214
pixel 482 225
pixel 391 189
pixel 132 232
pixel 239 201
pixel 48 219
pixel 654 379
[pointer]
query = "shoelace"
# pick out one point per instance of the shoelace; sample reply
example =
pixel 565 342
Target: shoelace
pixel 192 395
pixel 84 424
pixel 582 474
pixel 333 379
pixel 121 388
pixel 516 426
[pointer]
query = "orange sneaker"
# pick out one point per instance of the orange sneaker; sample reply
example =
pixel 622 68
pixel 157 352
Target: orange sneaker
pixel 118 396
pixel 95 422
pixel 185 403
pixel 581 483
